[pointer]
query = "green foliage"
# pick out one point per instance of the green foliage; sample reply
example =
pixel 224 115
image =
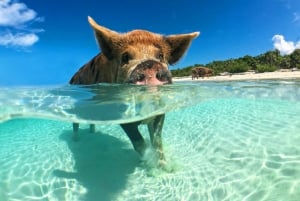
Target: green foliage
pixel 237 67
pixel 182 72
pixel 266 62
pixel 295 59
pixel 217 66
pixel 270 58
pixel 285 62
pixel 261 68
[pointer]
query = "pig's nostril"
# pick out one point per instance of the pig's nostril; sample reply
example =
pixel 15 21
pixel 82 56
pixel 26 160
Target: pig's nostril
pixel 162 76
pixel 140 77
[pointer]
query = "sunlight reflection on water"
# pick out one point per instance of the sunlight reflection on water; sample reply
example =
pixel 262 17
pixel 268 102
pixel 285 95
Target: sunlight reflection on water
pixel 238 141
pixel 129 103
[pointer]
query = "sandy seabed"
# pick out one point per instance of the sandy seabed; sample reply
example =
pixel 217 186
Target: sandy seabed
pixel 246 76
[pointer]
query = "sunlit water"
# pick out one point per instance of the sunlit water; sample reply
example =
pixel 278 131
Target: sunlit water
pixel 225 141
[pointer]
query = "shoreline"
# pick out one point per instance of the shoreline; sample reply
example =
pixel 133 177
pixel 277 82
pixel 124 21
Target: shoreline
pixel 245 76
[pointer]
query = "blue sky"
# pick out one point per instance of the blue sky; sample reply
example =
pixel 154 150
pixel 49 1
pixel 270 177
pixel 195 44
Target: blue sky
pixel 44 42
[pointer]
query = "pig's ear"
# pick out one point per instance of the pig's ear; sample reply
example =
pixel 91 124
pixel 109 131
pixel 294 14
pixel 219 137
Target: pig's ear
pixel 179 44
pixel 105 38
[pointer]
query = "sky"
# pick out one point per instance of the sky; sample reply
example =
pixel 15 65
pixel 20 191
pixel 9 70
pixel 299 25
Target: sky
pixel 44 42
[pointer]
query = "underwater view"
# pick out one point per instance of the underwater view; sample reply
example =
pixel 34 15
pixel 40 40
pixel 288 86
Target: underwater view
pixel 235 140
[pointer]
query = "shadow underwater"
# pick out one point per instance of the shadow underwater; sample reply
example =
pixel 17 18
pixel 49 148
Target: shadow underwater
pixel 102 164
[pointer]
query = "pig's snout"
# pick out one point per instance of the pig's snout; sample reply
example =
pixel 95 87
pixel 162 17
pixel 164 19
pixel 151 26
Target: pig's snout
pixel 150 73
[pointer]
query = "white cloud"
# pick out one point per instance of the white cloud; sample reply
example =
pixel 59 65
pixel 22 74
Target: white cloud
pixel 285 47
pixel 14 19
pixel 13 14
pixel 296 17
pixel 19 39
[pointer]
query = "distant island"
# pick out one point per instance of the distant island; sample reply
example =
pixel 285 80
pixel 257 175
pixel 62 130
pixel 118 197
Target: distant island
pixel 269 61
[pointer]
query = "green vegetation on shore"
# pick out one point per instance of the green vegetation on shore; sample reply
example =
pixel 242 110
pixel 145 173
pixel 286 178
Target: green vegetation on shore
pixel 267 62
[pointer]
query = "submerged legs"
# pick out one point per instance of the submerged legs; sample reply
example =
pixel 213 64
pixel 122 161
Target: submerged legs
pixel 137 140
pixel 155 126
pixel 92 128
pixel 76 129
pixel 155 131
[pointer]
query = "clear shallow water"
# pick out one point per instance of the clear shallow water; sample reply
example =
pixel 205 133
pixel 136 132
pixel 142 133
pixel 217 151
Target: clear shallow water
pixel 234 141
pixel 89 104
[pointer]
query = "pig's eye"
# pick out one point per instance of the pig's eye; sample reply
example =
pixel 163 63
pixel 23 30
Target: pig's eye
pixel 160 56
pixel 125 58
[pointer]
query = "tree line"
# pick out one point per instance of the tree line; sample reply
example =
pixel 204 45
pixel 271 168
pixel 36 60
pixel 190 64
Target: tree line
pixel 267 62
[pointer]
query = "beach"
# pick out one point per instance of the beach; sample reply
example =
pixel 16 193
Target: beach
pixel 282 74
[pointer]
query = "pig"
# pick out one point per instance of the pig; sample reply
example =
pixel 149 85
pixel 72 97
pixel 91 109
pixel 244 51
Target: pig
pixel 201 72
pixel 138 57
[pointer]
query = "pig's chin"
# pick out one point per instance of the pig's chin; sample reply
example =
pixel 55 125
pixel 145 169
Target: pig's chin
pixel 150 82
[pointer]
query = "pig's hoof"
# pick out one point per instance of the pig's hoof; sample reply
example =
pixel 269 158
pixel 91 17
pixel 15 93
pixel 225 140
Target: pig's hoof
pixel 162 164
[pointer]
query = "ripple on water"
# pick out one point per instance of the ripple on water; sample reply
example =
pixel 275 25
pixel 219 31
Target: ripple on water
pixel 222 149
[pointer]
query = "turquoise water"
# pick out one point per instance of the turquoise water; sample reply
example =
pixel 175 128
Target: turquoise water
pixel 225 140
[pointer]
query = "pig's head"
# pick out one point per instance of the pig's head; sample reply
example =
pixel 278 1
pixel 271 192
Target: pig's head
pixel 141 57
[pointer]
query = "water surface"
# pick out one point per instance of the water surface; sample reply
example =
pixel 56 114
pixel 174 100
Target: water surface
pixel 225 140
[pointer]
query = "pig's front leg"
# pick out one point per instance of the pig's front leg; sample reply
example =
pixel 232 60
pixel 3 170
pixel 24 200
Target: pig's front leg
pixel 137 140
pixel 155 130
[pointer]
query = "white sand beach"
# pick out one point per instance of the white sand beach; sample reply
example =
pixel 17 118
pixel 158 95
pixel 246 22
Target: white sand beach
pixel 246 76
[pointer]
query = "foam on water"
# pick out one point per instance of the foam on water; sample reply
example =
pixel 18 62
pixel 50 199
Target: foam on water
pixel 241 143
